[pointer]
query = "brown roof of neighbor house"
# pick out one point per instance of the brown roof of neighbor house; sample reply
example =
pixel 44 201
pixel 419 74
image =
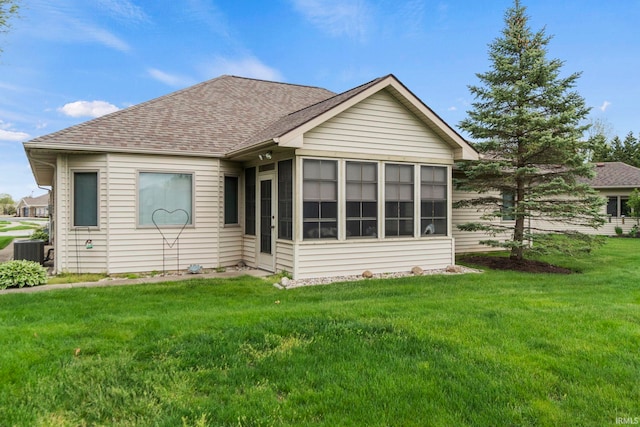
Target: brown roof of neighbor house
pixel 615 175
pixel 209 118
pixel 42 200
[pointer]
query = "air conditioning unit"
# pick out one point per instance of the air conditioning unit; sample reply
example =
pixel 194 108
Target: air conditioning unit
pixel 31 250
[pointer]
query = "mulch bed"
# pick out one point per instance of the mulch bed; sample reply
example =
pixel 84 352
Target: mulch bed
pixel 505 263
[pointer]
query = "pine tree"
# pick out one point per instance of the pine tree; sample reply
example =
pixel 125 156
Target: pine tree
pixel 526 120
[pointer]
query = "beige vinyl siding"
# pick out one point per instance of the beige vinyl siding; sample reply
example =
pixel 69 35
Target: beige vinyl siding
pixel 284 256
pixel 230 246
pixel 71 252
pixel 468 241
pixel 249 250
pixel 140 248
pixel 381 126
pixel 384 256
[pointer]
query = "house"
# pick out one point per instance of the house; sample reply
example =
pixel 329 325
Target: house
pixel 614 181
pixel 278 176
pixel 33 206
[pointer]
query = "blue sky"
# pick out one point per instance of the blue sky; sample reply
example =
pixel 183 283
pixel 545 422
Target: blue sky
pixel 67 61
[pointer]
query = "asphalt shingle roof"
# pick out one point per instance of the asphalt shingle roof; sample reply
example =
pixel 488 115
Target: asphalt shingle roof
pixel 209 118
pixel 615 174
pixel 42 200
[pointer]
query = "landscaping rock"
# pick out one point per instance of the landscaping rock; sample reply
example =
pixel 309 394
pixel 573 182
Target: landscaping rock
pixel 454 269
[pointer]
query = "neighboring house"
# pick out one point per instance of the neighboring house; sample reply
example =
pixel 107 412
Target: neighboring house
pixel 33 206
pixel 613 180
pixel 278 176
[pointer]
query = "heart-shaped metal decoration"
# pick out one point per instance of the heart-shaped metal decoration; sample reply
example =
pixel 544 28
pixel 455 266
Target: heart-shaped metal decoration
pixel 173 217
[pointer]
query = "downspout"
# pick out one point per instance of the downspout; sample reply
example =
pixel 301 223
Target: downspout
pixel 52 223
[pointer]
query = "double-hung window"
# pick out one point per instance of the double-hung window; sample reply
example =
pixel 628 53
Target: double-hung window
pixel 399 200
pixel 85 199
pixel 362 199
pixel 320 199
pixel 433 200
pixel 165 199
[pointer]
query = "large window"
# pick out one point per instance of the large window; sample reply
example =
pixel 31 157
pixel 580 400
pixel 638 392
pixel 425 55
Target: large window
pixel 85 199
pixel 250 201
pixel 362 199
pixel 398 200
pixel 285 199
pixel 231 200
pixel 320 199
pixel 617 206
pixel 433 200
pixel 165 198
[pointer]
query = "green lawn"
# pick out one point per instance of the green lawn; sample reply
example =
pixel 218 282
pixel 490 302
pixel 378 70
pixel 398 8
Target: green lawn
pixel 497 348
pixel 5 241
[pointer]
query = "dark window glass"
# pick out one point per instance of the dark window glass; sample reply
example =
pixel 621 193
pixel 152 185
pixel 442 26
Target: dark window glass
pixel 230 199
pixel 362 199
pixel 612 206
pixel 285 199
pixel 399 200
pixel 433 200
pixel 85 199
pixel 250 201
pixel 320 199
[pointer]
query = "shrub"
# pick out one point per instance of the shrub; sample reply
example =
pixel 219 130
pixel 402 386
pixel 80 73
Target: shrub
pixel 41 233
pixel 634 231
pixel 618 230
pixel 19 273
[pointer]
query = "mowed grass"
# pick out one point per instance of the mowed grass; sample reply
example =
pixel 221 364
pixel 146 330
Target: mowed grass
pixel 497 348
pixel 5 241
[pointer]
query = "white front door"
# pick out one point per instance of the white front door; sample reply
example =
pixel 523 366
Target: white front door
pixel 266 222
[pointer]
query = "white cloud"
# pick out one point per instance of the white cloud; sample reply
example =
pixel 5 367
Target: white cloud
pixel 452 108
pixel 337 17
pixel 87 108
pixel 604 106
pixel 63 20
pixel 9 135
pixel 93 33
pixel 245 67
pixel 169 79
pixel 125 10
